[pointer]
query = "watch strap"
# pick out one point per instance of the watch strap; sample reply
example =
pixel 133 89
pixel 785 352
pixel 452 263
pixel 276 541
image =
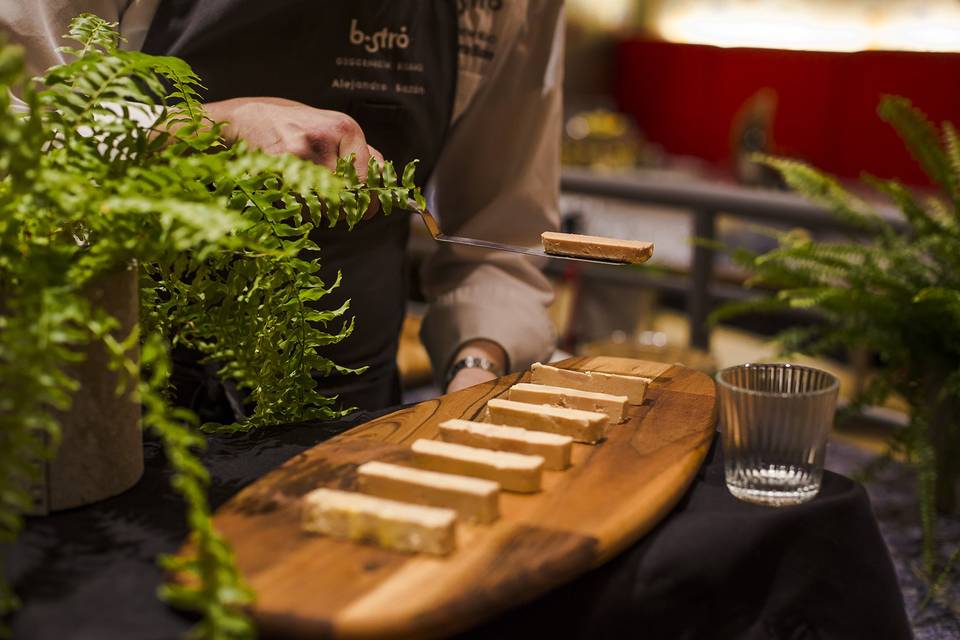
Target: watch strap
pixel 470 362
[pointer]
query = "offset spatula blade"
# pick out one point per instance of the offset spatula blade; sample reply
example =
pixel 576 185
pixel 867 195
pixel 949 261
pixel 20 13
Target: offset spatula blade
pixel 434 229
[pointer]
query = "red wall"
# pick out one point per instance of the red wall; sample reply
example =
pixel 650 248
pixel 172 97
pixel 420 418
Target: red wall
pixel 685 97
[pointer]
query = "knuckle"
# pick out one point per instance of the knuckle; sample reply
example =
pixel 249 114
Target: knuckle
pixel 319 142
pixel 346 126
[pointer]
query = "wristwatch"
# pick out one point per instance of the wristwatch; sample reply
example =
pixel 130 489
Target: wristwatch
pixel 470 362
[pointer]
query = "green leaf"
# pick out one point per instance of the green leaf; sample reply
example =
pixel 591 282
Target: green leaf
pixel 386 201
pixel 948 298
pixel 952 148
pixel 389 174
pixel 363 203
pixel 350 207
pixel 374 176
pixel 918 217
pixel 825 190
pixel 921 138
pixel 409 173
pixel 347 170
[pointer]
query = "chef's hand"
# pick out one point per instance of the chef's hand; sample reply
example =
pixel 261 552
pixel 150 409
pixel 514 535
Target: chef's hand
pixel 469 377
pixel 280 126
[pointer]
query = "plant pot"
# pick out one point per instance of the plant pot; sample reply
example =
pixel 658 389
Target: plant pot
pixel 101 450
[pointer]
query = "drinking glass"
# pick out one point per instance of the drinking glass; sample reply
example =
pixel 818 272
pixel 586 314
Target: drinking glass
pixel 774 421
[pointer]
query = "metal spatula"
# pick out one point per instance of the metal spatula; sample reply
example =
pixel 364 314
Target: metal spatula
pixel 434 229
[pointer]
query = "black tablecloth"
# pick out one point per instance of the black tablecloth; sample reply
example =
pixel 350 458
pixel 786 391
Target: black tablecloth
pixel 715 568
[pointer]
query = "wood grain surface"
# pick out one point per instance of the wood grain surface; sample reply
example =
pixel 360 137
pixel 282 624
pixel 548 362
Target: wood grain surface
pixel 616 491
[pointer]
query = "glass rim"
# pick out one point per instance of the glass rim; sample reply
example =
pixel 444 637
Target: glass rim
pixel 830 388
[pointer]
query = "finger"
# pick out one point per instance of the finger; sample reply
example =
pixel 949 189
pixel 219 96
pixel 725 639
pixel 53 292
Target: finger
pixel 353 142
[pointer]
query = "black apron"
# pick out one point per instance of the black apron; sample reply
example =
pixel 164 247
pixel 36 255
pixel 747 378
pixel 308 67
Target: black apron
pixel 390 65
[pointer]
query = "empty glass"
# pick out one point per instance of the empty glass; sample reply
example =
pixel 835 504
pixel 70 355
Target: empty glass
pixel 774 420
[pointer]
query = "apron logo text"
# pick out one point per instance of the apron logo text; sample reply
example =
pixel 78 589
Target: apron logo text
pixel 383 39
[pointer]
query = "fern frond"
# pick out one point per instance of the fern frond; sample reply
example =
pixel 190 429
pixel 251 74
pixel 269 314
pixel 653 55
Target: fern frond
pixel 220 594
pixel 948 300
pixel 94 35
pixel 952 146
pixel 921 221
pixel 941 578
pixel 222 235
pixel 922 140
pixel 944 216
pixel 826 191
pixel 811 297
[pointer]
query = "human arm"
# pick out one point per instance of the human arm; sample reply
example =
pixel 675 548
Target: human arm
pixel 498 179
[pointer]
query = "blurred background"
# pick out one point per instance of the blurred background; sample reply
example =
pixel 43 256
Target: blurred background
pixel 665 101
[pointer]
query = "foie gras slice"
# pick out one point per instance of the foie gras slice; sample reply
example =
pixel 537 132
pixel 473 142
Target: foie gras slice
pixel 386 523
pixel 472 498
pixel 634 387
pixel 513 471
pixel 555 449
pixel 582 426
pixel 580 246
pixel 614 406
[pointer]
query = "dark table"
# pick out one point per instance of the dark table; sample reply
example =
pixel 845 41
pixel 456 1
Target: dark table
pixel 715 568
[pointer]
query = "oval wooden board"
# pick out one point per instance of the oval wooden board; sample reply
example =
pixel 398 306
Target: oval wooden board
pixel 617 490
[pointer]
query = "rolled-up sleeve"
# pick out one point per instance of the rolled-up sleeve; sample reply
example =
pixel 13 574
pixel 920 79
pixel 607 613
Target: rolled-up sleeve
pixel 498 179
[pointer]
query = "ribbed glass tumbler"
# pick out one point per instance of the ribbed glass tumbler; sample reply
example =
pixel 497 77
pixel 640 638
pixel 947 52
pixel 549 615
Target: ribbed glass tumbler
pixel 774 420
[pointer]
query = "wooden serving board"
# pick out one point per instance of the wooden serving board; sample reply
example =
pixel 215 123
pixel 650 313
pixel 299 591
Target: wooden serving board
pixel 616 491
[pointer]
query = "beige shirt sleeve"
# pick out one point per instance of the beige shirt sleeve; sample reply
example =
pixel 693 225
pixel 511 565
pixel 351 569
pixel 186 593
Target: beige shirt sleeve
pixel 498 179
pixel 38 25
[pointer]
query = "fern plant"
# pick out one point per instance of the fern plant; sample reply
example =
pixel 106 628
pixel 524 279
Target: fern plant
pixel 227 267
pixel 893 290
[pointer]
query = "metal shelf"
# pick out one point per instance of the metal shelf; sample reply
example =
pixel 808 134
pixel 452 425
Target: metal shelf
pixel 705 200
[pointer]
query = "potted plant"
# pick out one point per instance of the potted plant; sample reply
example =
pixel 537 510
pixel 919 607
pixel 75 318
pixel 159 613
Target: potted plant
pixel 217 240
pixel 893 290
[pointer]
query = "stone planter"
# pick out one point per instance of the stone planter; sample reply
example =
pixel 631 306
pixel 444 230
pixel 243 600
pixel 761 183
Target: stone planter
pixel 101 451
